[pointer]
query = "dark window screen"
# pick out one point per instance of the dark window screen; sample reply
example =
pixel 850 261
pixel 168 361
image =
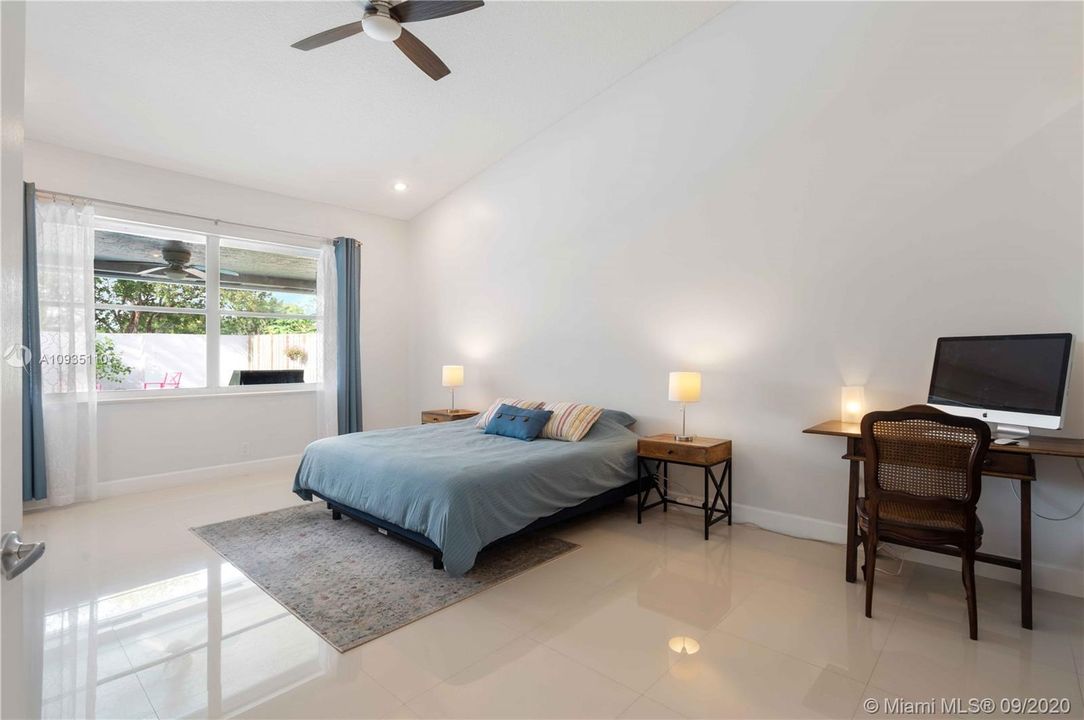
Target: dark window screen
pixel 1015 373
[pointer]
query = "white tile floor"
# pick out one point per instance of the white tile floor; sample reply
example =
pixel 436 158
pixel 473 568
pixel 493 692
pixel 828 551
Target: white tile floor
pixel 140 619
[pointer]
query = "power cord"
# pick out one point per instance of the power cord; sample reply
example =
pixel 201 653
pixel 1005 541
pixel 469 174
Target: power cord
pixel 889 552
pixel 1080 469
pixel 882 548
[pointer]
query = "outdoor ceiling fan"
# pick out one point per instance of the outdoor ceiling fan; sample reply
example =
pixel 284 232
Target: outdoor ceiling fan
pixel 383 22
pixel 177 266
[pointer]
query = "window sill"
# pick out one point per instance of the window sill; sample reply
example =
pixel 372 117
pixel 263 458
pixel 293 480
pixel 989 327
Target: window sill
pixel 136 396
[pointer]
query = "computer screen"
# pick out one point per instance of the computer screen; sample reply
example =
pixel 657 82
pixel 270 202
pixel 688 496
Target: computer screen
pixel 266 377
pixel 1008 373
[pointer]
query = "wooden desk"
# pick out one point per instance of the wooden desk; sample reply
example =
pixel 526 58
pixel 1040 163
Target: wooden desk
pixel 1015 462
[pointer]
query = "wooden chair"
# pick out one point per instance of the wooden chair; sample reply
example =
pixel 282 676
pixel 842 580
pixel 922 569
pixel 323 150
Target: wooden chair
pixel 923 477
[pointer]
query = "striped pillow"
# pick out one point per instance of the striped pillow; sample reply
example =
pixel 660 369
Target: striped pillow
pixel 570 421
pixel 485 417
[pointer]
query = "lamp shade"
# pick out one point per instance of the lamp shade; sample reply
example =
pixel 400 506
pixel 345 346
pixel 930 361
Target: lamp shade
pixel 451 375
pixel 852 401
pixel 685 387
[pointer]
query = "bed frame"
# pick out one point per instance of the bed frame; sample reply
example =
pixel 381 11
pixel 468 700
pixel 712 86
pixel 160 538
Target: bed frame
pixel 610 497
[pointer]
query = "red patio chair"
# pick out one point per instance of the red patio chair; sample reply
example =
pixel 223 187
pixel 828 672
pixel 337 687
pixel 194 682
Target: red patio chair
pixel 168 381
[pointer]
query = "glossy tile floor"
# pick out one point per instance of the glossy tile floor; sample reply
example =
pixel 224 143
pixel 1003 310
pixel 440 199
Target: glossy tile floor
pixel 140 619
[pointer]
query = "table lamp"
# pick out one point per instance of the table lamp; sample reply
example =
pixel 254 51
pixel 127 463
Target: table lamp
pixel 451 376
pixel 684 388
pixel 852 403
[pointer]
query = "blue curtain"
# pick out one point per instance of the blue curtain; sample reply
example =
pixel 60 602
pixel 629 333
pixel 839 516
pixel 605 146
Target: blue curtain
pixel 348 338
pixel 33 433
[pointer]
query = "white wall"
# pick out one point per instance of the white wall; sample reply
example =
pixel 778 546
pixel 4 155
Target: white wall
pixel 793 198
pixel 145 437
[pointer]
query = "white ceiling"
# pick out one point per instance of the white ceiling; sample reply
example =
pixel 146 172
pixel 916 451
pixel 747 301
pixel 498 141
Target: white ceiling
pixel 214 88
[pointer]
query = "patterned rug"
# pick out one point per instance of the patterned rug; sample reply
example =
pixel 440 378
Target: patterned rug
pixel 351 584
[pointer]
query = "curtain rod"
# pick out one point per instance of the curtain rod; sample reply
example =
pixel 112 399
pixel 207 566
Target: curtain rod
pixel 216 221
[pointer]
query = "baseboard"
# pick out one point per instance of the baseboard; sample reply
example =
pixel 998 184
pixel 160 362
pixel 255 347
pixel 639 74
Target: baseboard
pixel 1055 578
pixel 790 524
pixel 143 483
pixel 1045 577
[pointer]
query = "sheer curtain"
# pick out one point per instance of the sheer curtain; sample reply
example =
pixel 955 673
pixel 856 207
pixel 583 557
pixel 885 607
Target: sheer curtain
pixel 65 236
pixel 327 396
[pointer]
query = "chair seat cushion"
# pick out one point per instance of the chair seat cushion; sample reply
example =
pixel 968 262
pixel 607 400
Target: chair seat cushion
pixel 918 517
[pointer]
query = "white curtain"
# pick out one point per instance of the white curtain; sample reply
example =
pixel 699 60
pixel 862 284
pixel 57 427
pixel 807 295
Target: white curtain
pixel 65 236
pixel 327 403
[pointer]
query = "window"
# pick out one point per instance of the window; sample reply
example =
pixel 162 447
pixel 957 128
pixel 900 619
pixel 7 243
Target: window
pixel 176 309
pixel 268 311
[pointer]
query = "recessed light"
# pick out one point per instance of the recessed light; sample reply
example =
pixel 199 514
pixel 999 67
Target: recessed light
pixel 400 186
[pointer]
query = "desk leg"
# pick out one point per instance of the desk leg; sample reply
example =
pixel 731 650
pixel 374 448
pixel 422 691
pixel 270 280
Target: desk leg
pixel 1025 554
pixel 852 517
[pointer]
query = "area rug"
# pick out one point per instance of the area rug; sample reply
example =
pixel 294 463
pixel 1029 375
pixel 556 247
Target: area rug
pixel 351 584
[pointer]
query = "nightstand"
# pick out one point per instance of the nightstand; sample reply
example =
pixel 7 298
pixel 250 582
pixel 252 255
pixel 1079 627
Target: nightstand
pixel 702 452
pixel 439 416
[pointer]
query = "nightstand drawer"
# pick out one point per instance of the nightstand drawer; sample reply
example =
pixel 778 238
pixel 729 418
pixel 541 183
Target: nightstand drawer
pixel 699 451
pixel 433 418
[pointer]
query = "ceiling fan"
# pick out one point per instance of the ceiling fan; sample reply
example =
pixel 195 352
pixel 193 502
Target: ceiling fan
pixel 383 22
pixel 178 266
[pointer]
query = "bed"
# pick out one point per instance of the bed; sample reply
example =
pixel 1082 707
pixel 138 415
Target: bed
pixel 453 490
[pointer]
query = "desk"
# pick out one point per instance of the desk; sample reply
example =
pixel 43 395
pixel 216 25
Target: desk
pixel 1014 462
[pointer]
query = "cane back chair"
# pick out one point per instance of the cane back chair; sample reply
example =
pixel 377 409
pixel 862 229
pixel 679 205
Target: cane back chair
pixel 923 478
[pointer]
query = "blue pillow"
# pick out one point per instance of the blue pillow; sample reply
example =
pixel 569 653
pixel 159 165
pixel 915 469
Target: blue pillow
pixel 520 423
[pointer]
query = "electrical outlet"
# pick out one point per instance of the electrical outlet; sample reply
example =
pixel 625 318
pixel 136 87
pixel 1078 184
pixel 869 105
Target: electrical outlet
pixel 244 449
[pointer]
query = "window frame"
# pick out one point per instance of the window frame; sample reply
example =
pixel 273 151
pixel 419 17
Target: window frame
pixel 212 313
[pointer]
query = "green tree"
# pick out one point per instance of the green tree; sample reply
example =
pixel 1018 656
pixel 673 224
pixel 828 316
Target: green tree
pixel 107 361
pixel 261 301
pixel 113 291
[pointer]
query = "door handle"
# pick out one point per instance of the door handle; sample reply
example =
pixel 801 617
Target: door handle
pixel 16 556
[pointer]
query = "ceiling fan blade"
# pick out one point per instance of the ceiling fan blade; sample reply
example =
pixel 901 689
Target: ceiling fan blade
pixel 421 55
pixel 415 10
pixel 197 273
pixel 328 36
pixel 152 270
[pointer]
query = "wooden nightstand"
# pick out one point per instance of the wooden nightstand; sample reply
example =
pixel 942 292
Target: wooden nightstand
pixel 439 416
pixel 701 452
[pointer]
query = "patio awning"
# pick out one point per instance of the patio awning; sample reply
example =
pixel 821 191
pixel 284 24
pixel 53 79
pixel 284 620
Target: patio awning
pixel 124 256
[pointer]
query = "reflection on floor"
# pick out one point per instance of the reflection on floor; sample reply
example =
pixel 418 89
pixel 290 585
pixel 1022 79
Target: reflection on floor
pixel 211 633
pixel 140 619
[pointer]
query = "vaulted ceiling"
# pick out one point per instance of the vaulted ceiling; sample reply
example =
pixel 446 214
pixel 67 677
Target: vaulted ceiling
pixel 214 88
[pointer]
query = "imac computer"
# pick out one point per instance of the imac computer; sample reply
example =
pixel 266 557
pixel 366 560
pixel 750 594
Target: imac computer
pixel 1013 381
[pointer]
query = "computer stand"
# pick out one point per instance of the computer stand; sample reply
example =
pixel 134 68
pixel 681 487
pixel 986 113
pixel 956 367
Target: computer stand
pixel 1011 434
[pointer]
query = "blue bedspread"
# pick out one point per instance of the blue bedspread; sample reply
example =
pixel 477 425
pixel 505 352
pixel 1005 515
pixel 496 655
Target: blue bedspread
pixel 461 488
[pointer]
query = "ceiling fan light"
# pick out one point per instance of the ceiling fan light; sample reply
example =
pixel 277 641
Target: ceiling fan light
pixel 175 273
pixel 381 27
